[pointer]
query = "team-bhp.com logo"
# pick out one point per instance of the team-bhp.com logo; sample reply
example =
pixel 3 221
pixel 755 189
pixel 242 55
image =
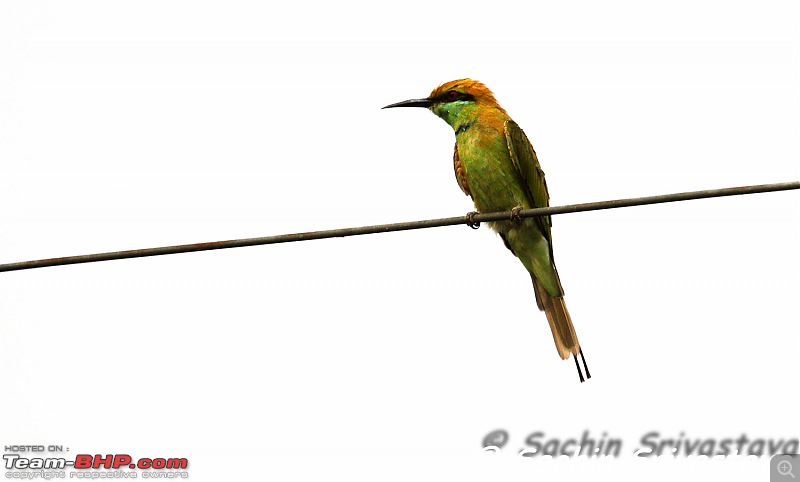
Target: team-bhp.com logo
pixel 35 467
pixel 84 461
pixel 123 460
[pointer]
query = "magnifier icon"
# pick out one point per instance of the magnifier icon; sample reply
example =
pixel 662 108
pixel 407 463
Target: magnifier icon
pixel 785 468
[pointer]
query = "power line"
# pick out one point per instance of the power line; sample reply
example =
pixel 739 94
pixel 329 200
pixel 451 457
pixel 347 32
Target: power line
pixel 471 219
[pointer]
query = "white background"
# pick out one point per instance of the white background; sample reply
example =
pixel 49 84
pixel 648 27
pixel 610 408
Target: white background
pixel 389 357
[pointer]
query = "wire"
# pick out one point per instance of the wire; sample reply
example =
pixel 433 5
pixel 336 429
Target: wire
pixel 471 219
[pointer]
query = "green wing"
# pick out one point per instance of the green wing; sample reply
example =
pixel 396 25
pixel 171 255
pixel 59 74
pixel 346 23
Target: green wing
pixel 524 158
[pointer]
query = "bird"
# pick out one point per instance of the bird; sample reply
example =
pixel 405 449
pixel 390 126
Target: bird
pixel 496 166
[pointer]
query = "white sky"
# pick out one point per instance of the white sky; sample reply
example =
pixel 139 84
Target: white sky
pixel 389 357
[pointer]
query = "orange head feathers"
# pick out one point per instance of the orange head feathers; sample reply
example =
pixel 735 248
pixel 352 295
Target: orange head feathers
pixel 459 103
pixel 467 87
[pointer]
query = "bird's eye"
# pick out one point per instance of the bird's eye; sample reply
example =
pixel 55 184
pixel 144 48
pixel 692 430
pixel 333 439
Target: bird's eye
pixel 452 95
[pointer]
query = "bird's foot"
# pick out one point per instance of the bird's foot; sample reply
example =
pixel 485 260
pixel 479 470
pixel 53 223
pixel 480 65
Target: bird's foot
pixel 471 220
pixel 515 217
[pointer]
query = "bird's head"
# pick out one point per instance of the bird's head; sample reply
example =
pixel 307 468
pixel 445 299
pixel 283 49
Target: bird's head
pixel 458 102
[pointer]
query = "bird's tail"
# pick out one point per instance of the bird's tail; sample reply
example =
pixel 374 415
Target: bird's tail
pixel 564 335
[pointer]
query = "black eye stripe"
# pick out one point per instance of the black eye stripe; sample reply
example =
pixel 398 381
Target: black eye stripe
pixel 446 97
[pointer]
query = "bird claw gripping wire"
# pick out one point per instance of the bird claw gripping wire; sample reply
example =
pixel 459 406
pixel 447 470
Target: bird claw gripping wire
pixel 515 214
pixel 471 220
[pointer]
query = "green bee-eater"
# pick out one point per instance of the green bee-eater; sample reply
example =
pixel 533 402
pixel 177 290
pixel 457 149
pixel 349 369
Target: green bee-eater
pixel 497 167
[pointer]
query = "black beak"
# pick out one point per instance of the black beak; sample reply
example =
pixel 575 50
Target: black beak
pixel 411 103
